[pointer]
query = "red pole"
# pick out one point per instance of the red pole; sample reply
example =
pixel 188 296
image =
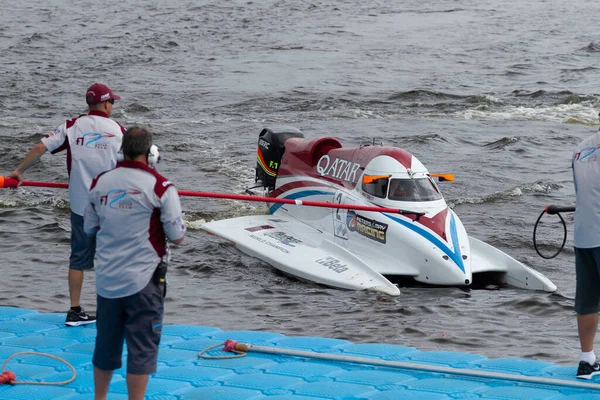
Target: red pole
pixel 12 183
pixel 6 182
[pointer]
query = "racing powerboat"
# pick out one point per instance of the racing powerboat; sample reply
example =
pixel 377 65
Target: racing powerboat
pixel 384 216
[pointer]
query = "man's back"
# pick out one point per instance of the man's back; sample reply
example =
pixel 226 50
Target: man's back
pixel 92 142
pixel 135 206
pixel 586 175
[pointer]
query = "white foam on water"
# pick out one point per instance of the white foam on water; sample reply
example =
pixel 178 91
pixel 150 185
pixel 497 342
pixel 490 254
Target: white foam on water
pixel 195 224
pixel 358 113
pixel 580 113
pixel 517 191
pixel 10 122
pixel 492 99
pixel 7 203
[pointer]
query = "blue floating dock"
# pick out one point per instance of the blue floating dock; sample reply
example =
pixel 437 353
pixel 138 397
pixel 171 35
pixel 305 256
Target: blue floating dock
pixel 183 375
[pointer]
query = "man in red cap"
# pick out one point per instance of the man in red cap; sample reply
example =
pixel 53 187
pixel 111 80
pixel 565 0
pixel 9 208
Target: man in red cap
pixel 92 141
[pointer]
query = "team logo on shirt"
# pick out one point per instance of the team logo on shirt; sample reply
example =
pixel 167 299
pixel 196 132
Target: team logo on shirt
pixel 587 154
pixel 94 140
pixel 54 132
pixel 119 199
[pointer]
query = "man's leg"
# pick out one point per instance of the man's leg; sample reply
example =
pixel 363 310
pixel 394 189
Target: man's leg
pixel 587 298
pixel 109 344
pixel 587 325
pixel 101 381
pixel 143 330
pixel 136 386
pixel 83 249
pixel 75 285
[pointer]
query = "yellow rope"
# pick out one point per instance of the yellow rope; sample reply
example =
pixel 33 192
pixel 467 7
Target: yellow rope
pixel 41 383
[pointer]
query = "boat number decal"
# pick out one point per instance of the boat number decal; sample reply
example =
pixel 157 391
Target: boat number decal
pixel 283 238
pixel 366 227
pixel 340 229
pixel 333 264
pixel 338 169
pixel 259 228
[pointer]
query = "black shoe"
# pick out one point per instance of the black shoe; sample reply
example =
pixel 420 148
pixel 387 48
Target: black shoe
pixel 586 371
pixel 79 318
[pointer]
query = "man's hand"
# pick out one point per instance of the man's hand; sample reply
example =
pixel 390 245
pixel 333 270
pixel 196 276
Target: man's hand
pixel 18 176
pixel 34 154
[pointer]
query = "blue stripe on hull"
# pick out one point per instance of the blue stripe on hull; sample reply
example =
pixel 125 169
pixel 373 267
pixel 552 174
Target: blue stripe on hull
pixel 454 255
pixel 298 195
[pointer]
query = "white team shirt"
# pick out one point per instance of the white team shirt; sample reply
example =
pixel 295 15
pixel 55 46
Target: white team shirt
pixel 586 176
pixel 92 142
pixel 133 209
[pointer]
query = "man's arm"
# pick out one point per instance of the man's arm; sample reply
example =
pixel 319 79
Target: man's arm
pixel 171 216
pixel 31 158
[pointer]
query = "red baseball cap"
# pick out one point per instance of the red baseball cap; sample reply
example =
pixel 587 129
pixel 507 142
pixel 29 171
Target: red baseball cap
pixel 98 93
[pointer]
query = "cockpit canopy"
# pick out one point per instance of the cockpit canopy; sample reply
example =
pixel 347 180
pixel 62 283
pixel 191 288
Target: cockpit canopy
pixel 401 189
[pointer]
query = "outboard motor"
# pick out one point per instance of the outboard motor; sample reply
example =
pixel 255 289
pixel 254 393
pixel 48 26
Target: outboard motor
pixel 270 152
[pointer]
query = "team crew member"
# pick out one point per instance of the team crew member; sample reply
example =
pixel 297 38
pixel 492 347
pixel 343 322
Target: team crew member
pixel 132 210
pixel 586 175
pixel 92 141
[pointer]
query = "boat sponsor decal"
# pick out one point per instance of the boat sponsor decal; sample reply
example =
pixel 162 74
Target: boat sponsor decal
pixel 283 238
pixel 263 143
pixel 270 169
pixel 269 243
pixel 259 228
pixel 338 168
pixel 366 227
pixel 333 264
pixel 454 255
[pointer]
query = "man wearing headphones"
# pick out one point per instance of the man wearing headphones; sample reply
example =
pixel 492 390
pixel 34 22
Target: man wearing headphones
pixel 132 210
pixel 92 141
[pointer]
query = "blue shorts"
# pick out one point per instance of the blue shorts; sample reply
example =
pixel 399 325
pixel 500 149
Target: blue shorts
pixel 83 247
pixel 137 319
pixel 587 289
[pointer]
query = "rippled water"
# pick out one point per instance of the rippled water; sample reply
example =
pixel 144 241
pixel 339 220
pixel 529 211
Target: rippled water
pixel 498 94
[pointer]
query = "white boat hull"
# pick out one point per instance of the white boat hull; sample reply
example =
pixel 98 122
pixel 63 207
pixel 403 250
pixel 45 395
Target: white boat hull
pixel 303 252
pixel 382 215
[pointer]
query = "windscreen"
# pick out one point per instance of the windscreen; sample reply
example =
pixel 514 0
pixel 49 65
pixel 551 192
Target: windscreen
pixel 421 189
pixel 377 185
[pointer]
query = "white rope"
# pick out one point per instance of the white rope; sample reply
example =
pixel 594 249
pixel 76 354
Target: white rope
pixel 71 379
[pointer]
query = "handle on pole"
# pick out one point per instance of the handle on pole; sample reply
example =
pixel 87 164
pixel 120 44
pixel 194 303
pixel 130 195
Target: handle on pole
pixel 6 182
pixel 552 209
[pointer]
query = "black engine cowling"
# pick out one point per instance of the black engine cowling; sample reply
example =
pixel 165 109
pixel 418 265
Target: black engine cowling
pixel 271 146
